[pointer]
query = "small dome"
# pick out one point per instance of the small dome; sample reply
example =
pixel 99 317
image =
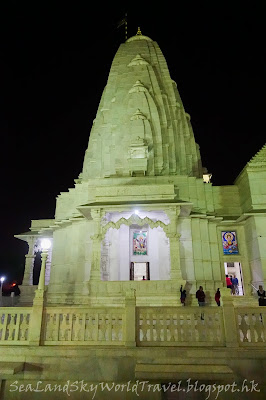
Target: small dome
pixel 139 36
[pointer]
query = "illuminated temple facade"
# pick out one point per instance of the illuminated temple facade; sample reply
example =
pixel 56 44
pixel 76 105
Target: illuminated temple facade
pixel 142 220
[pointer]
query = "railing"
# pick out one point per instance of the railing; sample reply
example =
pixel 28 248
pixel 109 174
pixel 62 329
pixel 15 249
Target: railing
pixel 66 326
pixel 134 326
pixel 14 325
pixel 180 326
pixel 251 323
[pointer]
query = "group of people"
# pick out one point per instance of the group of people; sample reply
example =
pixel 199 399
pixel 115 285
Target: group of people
pixel 232 283
pixel 200 295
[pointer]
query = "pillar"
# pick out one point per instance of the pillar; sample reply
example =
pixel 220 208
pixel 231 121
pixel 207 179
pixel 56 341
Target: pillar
pixel 175 256
pixel 35 328
pixel 29 262
pixel 171 233
pixel 96 245
pixel 41 285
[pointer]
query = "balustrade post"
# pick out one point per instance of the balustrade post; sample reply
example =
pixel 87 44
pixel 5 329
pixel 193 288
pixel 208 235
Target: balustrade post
pixel 130 318
pixel 230 326
pixel 35 326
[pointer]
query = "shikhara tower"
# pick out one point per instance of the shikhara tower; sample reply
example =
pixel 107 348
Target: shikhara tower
pixel 141 127
pixel 142 182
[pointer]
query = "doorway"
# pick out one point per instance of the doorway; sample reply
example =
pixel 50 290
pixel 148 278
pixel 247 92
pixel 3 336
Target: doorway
pixel 139 271
pixel 234 269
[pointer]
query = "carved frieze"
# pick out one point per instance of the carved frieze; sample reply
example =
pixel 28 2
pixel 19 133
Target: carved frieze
pixel 134 219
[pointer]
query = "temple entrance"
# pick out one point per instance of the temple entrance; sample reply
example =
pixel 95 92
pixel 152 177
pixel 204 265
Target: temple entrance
pixel 135 245
pixel 234 270
pixel 139 271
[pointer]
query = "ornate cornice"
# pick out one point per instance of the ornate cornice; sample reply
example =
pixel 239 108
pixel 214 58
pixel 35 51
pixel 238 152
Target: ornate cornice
pixel 134 219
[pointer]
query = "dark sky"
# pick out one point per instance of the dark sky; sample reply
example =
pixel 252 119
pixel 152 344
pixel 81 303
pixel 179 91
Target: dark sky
pixel 55 60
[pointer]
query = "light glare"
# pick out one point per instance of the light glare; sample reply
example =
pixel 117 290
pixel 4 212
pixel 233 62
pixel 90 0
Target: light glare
pixel 45 244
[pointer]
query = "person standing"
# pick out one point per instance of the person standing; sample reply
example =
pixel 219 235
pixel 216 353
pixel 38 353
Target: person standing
pixel 183 295
pixel 234 285
pixel 200 295
pixel 261 295
pixel 217 297
pixel 228 282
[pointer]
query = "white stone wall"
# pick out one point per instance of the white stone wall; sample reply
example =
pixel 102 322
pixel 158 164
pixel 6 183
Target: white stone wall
pixel 186 249
pixel 71 257
pixel 255 230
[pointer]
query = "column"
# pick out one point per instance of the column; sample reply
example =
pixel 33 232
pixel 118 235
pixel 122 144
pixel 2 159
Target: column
pixel 171 233
pixel 41 285
pixel 105 259
pixel 36 318
pixel 96 245
pixel 48 266
pixel 175 256
pixel 28 273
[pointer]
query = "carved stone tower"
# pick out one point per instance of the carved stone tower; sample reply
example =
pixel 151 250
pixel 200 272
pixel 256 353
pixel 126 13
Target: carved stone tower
pixel 141 126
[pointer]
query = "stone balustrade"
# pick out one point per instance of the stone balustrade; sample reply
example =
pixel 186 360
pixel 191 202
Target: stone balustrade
pixel 70 326
pixel 135 326
pixel 14 325
pixel 180 326
pixel 251 326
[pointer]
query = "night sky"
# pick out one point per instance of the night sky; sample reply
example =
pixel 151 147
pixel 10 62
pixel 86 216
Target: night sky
pixel 55 61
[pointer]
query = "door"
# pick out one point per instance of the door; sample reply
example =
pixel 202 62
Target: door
pixel 139 271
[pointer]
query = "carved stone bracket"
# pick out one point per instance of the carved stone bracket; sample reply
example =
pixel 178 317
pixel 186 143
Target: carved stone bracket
pixel 96 214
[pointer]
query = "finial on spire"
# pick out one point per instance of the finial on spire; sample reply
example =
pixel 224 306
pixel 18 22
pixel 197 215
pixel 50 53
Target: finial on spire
pixel 139 31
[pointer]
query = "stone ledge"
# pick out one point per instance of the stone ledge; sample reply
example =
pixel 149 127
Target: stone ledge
pixel 182 371
pixel 11 368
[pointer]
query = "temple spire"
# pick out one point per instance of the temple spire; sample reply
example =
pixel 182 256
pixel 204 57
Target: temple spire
pixel 139 79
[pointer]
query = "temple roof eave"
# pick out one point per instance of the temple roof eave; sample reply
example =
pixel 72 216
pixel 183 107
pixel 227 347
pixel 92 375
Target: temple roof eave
pixel 120 206
pixel 24 235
